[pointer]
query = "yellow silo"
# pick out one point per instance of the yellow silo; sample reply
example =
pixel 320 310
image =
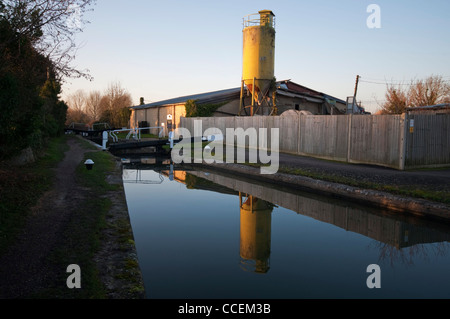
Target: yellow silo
pixel 256 225
pixel 259 53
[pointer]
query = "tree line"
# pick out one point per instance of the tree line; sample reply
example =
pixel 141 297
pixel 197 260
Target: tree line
pixel 433 90
pixel 111 107
pixel 37 48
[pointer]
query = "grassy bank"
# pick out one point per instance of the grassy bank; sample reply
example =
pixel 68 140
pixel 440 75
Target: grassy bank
pixel 93 225
pixel 21 188
pixel 409 191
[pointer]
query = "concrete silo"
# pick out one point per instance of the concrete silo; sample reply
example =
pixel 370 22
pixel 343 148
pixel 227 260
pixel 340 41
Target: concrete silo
pixel 256 226
pixel 258 70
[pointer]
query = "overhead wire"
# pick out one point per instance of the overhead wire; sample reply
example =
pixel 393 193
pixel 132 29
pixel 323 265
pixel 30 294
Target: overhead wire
pixel 393 83
pixel 390 83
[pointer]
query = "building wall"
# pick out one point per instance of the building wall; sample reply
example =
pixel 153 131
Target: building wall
pixel 431 111
pixel 229 109
pixel 341 107
pixel 283 104
pixel 179 111
pixel 286 103
pixel 157 116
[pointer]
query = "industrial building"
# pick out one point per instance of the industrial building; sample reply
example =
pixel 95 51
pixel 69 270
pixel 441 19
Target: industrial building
pixel 259 94
pixel 289 96
pixel 431 109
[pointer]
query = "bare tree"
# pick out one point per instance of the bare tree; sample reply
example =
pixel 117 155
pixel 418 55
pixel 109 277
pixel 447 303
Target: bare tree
pixel 114 101
pixel 113 107
pixel 93 106
pixel 430 91
pixel 77 117
pixel 77 105
pixel 77 101
pixel 51 25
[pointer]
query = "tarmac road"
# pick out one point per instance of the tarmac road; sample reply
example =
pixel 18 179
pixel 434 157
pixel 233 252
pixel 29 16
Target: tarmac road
pixel 436 179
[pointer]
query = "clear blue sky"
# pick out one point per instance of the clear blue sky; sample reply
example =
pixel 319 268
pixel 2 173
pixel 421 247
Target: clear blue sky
pixel 165 49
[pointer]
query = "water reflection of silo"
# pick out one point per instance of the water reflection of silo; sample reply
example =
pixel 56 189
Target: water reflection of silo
pixel 256 225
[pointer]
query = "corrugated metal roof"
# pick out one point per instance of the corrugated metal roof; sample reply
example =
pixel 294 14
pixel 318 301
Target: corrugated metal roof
pixel 297 88
pixel 334 98
pixel 230 94
pixel 438 106
pixel 216 97
pixel 301 96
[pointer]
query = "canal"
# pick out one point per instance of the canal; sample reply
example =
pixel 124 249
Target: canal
pixel 203 235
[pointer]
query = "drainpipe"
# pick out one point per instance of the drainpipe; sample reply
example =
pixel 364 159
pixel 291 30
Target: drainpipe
pixel 159 121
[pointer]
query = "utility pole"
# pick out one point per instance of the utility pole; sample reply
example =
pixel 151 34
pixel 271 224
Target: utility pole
pixel 357 83
pixel 356 92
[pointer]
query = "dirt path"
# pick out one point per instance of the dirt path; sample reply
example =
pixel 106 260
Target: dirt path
pixel 25 267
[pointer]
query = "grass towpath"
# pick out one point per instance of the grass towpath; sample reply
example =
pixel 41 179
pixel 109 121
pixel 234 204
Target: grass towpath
pixel 70 216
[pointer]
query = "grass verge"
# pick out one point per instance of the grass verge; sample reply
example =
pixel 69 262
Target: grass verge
pixel 86 232
pixel 83 234
pixel 21 188
pixel 410 191
pixel 112 228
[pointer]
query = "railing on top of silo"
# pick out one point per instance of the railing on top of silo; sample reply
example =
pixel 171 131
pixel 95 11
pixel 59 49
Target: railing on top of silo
pixel 256 19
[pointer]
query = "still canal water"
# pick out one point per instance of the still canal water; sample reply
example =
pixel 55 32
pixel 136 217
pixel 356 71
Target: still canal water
pixel 201 235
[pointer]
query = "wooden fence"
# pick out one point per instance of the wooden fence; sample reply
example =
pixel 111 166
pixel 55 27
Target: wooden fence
pixel 396 141
pixel 428 140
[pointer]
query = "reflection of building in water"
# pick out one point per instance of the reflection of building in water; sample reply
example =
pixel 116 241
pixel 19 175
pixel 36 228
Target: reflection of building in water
pixel 135 176
pixel 136 169
pixel 256 226
pixel 178 176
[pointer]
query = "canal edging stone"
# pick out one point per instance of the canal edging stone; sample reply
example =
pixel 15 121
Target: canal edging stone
pixel 118 261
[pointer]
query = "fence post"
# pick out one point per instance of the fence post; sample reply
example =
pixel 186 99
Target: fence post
pixel 299 134
pixel 403 137
pixel 349 135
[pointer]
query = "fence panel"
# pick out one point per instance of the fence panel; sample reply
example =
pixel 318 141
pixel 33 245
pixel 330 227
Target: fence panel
pixel 377 140
pixel 324 136
pixel 288 134
pixel 428 140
